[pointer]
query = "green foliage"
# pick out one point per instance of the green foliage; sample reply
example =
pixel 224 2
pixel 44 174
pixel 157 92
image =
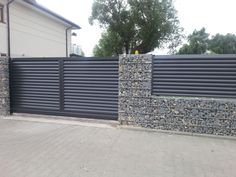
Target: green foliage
pixel 138 24
pixel 198 43
pixel 223 44
pixel 109 45
pixel 82 53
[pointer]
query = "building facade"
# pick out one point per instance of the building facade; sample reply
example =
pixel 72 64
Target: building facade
pixel 32 30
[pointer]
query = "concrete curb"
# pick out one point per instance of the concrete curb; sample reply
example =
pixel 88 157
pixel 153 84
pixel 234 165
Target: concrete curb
pixel 63 120
pixel 135 128
pixel 101 124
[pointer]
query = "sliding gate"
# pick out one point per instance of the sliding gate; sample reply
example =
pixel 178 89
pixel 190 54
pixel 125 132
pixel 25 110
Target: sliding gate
pixel 82 87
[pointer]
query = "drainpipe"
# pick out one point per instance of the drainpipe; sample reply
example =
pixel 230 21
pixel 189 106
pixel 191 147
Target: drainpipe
pixel 8 28
pixel 9 47
pixel 67 29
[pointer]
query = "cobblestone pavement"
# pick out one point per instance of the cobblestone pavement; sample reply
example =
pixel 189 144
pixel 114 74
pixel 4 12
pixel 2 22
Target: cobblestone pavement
pixel 34 149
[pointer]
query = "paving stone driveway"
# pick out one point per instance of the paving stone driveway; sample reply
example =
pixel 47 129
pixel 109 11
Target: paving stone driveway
pixel 33 149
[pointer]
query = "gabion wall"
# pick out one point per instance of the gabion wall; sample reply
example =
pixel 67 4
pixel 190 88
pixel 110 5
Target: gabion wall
pixel 195 115
pixel 4 87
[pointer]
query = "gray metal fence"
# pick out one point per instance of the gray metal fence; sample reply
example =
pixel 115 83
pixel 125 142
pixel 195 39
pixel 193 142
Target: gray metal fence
pixel 84 87
pixel 195 75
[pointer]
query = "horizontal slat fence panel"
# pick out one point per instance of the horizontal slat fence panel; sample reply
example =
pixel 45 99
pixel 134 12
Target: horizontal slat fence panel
pixel 195 75
pixel 95 88
pixel 31 85
pixel 82 87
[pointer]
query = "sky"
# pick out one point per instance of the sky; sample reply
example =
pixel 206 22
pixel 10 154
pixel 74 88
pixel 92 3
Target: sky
pixel 217 16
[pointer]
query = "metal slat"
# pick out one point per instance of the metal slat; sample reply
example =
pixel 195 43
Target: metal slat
pixel 90 94
pixel 33 96
pixel 195 95
pixel 39 92
pixel 195 84
pixel 109 102
pixel 32 86
pixel 112 85
pixel 195 76
pixel 196 91
pixel 194 69
pixel 76 69
pixel 93 79
pixel 91 89
pixel 36 77
pixel 212 76
pixel 176 80
pixel 233 73
pixel 89 82
pixel 31 81
pixel 90 110
pixel 86 98
pixel 196 65
pixel 40 99
pixel 35 107
pixel 94 75
pixel 30 104
pixel 93 105
pixel 114 66
pixel 90 72
pixel 194 88
pixel 80 91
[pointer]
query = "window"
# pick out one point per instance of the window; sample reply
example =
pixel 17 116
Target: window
pixel 1 13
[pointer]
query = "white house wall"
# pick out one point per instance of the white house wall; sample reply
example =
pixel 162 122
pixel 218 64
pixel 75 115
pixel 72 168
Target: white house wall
pixel 3 34
pixel 34 34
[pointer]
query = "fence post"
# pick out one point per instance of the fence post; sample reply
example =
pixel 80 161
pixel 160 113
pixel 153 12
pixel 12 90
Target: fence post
pixel 135 80
pixel 61 84
pixel 4 87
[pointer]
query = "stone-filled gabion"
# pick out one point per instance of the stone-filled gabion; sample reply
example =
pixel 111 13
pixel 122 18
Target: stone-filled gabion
pixel 196 115
pixel 4 87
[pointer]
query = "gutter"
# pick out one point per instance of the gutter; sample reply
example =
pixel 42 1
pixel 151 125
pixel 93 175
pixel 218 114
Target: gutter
pixel 8 28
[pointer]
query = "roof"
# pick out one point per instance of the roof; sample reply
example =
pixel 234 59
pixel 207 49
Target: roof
pixel 46 10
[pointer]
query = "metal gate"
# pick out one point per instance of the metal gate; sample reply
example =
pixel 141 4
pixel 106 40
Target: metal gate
pixel 82 87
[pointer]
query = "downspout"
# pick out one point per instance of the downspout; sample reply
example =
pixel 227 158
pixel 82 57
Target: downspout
pixel 8 28
pixel 9 49
pixel 67 29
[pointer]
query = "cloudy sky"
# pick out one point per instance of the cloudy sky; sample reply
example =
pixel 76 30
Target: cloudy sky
pixel 217 16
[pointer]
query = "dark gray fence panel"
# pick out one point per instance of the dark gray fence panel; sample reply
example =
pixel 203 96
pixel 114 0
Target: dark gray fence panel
pixel 91 86
pixel 35 84
pixel 83 87
pixel 195 75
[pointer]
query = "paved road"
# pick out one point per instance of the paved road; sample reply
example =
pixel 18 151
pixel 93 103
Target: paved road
pixel 33 149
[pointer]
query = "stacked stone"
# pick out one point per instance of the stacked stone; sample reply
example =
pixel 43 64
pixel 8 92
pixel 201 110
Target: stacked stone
pixel 195 115
pixel 4 87
pixel 134 88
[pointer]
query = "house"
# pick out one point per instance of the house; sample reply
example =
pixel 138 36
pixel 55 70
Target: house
pixel 31 30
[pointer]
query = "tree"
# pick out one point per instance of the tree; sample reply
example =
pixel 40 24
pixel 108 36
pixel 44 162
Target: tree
pixel 139 24
pixel 82 53
pixel 109 45
pixel 223 44
pixel 198 43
